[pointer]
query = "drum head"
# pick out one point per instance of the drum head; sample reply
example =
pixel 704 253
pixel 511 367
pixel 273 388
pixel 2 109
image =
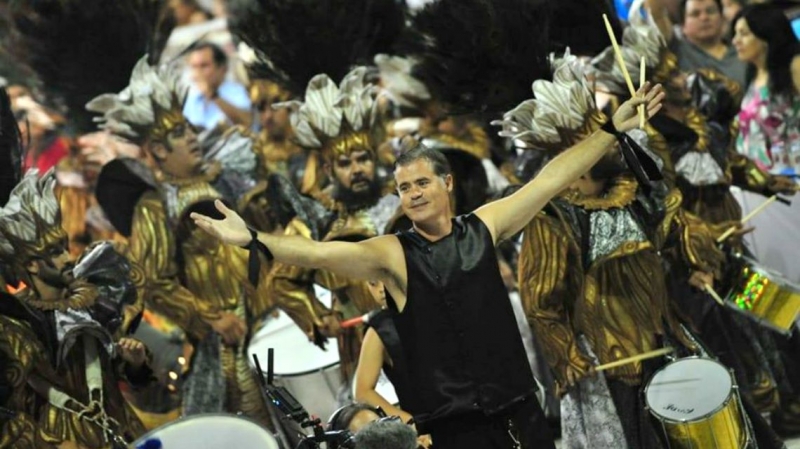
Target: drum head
pixel 688 389
pixel 294 354
pixel 211 432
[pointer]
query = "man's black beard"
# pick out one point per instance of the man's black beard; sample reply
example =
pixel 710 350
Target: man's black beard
pixel 354 201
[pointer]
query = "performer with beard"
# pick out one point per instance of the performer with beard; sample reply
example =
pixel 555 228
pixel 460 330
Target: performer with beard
pixel 696 133
pixel 591 276
pixel 61 332
pixel 360 210
pixel 199 284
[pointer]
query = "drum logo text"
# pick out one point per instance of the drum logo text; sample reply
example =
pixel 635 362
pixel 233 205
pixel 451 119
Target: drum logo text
pixel 674 408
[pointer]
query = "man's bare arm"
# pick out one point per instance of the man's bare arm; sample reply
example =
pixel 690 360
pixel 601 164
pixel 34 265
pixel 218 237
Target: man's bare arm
pixel 660 14
pixel 237 116
pixel 364 260
pixel 506 217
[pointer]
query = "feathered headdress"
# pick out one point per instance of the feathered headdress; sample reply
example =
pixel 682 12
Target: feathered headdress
pixel 640 38
pixel 149 107
pixel 479 55
pixel 295 40
pixel 337 120
pixel 562 112
pixel 82 48
pixel 30 223
pixel 398 81
pixel 578 25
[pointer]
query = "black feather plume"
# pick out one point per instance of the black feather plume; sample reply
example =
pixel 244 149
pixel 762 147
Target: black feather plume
pixel 480 55
pixel 298 39
pixel 82 48
pixel 579 25
pixel 10 149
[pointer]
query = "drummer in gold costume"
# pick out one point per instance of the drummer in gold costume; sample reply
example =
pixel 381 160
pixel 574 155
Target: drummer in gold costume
pixel 198 284
pixel 338 128
pixel 274 144
pixel 591 270
pixel 360 210
pixel 62 335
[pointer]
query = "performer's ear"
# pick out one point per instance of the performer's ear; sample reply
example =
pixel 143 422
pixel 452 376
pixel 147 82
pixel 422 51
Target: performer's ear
pixel 32 267
pixel 448 182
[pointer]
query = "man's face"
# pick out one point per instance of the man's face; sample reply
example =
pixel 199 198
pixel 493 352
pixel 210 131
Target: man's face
pixel 54 267
pixel 423 194
pixel 204 69
pixel 354 178
pixel 274 121
pixel 180 155
pixel 749 48
pixel 703 21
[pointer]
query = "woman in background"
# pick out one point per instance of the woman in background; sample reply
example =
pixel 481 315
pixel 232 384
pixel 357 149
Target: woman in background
pixel 769 121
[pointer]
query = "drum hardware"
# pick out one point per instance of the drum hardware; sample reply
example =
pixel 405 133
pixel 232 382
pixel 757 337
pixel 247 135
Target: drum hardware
pixel 764 296
pixel 698 405
pixel 292 409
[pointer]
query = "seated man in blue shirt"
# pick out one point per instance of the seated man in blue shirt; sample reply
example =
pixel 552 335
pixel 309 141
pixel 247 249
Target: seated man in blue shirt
pixel 212 99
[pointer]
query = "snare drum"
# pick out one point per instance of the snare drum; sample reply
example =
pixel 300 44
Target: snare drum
pixel 212 431
pixel 310 374
pixel 697 403
pixel 765 295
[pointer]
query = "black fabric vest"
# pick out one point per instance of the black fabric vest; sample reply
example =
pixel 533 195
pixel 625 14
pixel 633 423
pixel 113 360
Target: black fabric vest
pixel 462 348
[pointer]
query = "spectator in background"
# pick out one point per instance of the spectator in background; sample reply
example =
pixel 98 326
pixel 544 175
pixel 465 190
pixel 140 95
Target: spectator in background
pixel 45 145
pixel 702 44
pixel 769 122
pixel 729 10
pixel 387 433
pixel 188 12
pixel 212 99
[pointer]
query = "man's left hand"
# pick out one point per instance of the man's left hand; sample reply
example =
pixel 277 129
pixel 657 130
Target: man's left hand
pixel 132 351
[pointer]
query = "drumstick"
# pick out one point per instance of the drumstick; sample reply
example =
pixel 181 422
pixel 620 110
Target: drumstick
pixel 748 217
pixel 617 52
pixel 710 290
pixel 635 358
pixel 642 108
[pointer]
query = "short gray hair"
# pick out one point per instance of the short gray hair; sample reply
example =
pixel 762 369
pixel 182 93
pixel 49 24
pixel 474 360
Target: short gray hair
pixel 386 434
pixel 435 157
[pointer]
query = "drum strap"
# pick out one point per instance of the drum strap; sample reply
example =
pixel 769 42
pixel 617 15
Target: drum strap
pixel 94 412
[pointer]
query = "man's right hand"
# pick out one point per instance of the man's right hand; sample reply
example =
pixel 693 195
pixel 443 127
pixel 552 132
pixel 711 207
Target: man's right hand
pixel 230 327
pixel 232 229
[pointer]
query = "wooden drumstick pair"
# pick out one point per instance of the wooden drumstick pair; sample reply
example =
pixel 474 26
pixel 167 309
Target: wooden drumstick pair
pixel 761 207
pixel 621 62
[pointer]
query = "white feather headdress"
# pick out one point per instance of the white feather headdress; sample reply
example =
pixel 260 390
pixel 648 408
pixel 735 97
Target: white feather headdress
pixel 31 219
pixel 335 118
pixel 562 111
pixel 397 81
pixel 152 95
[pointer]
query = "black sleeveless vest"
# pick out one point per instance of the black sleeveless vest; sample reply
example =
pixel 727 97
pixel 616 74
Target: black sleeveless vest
pixel 462 348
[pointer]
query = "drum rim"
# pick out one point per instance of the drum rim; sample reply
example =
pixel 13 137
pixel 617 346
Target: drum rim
pixel 731 393
pixel 181 419
pixel 774 276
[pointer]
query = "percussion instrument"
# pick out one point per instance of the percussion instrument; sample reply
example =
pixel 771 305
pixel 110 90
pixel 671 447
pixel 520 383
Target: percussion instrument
pixel 696 401
pixel 210 431
pixel 310 374
pixel 765 295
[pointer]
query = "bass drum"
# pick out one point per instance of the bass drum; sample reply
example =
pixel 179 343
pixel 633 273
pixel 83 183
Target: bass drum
pixel 310 374
pixel 212 431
